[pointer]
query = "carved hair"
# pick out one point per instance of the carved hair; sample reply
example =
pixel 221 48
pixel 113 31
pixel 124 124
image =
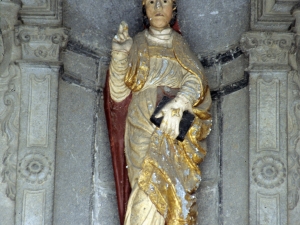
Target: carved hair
pixel 172 22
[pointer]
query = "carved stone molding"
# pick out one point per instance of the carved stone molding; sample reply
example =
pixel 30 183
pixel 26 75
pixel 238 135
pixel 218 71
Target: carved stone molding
pixel 268 50
pixel 41 43
pixel 294 140
pixel 9 95
pixel 41 12
pixel 268 172
pixel 35 168
pixel 296 13
pixel 294 121
pixel 34 206
pixel 268 209
pixel 273 110
pixel 37 140
pixel 9 123
pixel 268 166
pixel 272 15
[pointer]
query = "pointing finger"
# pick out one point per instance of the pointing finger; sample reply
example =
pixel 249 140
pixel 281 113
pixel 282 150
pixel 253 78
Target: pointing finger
pixel 122 37
pixel 125 30
pixel 120 31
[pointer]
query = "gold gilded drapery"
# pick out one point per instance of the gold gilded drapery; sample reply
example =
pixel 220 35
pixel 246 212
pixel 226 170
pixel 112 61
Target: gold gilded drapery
pixel 169 171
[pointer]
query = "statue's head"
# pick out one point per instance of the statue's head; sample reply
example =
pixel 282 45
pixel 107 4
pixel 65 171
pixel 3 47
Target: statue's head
pixel 159 13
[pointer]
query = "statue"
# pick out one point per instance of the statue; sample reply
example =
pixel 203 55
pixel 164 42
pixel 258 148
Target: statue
pixel 163 172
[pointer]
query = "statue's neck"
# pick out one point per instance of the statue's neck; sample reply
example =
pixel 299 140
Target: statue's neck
pixel 164 34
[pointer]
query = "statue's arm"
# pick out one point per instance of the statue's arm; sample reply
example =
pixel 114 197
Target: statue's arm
pixel 172 112
pixel 117 70
pixel 190 87
pixel 121 46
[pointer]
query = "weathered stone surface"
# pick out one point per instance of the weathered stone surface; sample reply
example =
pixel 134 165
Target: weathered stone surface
pixel 268 51
pixel 268 148
pixel 103 146
pixel 96 22
pixel 74 161
pixel 42 44
pixel 217 24
pixel 210 165
pixel 213 76
pixel 268 164
pixel 235 158
pixel 233 71
pixel 293 129
pixel 105 201
pixel 293 146
pixel 37 142
pixel 211 26
pixel 208 200
pixel 41 12
pixel 81 67
pixel 6 205
pixel 271 15
pixel 208 192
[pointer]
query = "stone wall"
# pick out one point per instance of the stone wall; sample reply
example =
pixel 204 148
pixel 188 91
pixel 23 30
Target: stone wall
pixel 250 83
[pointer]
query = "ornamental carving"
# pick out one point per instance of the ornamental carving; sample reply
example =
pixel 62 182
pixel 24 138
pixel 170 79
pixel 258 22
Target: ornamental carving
pixel 1 48
pixel 271 15
pixel 268 172
pixel 35 168
pixel 9 116
pixel 9 96
pixel 41 12
pixel 294 141
pixel 268 49
pixel 42 44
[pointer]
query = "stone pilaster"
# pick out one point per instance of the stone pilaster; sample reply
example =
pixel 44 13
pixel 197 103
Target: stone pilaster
pixel 294 126
pixel 268 84
pixel 9 110
pixel 41 39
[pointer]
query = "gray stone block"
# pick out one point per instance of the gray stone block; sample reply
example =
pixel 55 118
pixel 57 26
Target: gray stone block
pixel 74 156
pixel 210 165
pixel 108 211
pixel 235 158
pixel 233 71
pixel 94 23
pixel 81 67
pixel 213 76
pixel 216 24
pixel 208 210
pixel 105 202
pixel 213 26
pixel 294 215
pixel 208 192
pixel 103 146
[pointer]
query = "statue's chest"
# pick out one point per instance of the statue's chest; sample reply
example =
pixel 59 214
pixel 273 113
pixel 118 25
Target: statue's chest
pixel 161 52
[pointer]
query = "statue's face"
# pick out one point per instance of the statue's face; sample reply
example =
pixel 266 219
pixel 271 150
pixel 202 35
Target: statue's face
pixel 159 12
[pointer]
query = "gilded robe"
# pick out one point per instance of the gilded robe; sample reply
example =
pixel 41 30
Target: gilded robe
pixel 162 172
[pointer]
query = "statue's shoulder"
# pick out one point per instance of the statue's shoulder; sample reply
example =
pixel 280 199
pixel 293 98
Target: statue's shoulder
pixel 179 41
pixel 140 37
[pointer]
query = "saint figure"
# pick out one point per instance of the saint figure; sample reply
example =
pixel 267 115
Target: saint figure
pixel 163 172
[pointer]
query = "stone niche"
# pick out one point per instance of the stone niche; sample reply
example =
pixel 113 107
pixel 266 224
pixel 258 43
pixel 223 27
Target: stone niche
pixel 55 162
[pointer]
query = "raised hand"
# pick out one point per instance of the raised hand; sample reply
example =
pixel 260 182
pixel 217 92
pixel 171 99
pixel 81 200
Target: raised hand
pixel 122 42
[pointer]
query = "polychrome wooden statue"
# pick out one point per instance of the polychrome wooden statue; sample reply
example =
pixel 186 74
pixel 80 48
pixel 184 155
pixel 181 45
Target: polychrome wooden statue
pixel 163 172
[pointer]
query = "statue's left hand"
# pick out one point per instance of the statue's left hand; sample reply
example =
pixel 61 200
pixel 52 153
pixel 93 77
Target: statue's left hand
pixel 172 113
